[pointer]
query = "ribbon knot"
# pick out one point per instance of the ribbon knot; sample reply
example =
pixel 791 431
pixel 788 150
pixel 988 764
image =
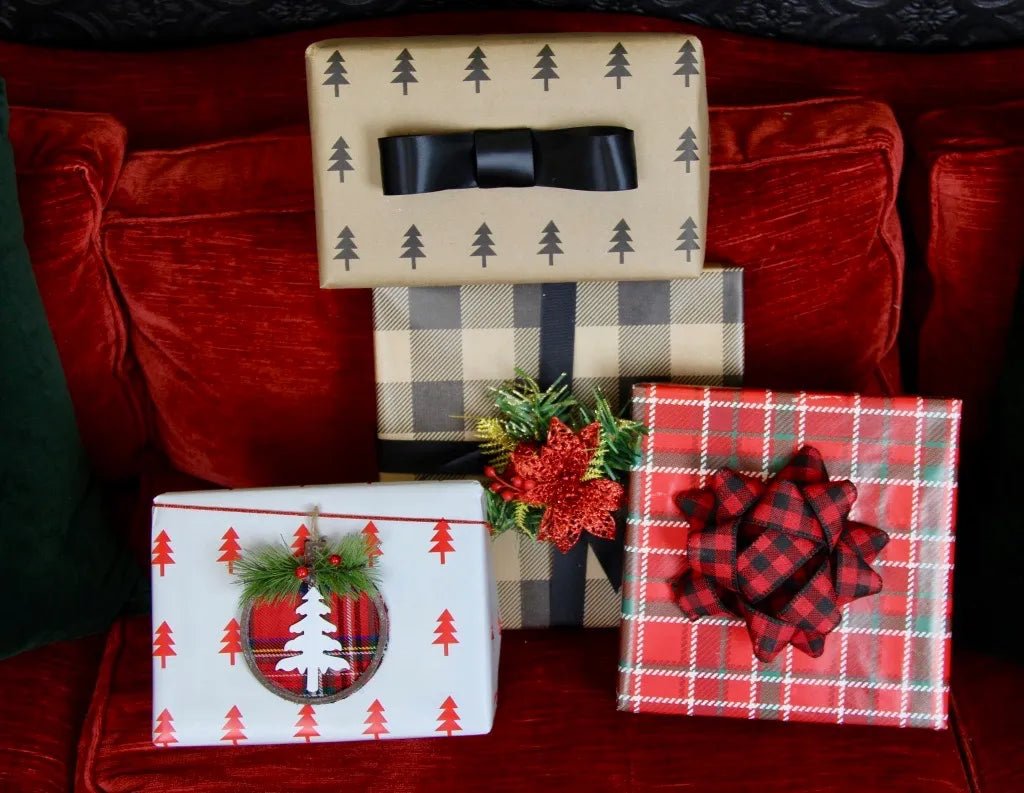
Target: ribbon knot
pixel 783 555
pixel 577 158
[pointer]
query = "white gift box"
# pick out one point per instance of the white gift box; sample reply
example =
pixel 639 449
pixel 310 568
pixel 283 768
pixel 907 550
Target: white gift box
pixel 419 660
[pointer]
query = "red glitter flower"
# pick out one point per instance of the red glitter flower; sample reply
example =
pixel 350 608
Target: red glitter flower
pixel 573 505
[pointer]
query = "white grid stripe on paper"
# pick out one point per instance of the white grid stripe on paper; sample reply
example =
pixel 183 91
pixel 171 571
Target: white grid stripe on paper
pixel 735 622
pixel 645 540
pixel 844 642
pixel 915 517
pixel 705 423
pixel 824 682
pixel 766 457
pixel 839 409
pixel 823 710
pixel 941 617
pixel 876 480
pixel 787 680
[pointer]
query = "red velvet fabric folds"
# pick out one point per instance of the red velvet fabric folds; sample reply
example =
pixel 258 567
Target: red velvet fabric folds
pixel 556 729
pixel 66 166
pixel 258 377
pixel 969 210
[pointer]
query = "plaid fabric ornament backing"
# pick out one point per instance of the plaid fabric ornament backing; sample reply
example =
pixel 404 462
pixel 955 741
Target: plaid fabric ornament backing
pixel 888 661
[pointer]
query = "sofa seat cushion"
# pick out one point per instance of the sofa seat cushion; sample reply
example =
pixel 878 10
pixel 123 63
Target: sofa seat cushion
pixel 988 698
pixel 259 377
pixel 967 199
pixel 556 724
pixel 67 164
pixel 44 695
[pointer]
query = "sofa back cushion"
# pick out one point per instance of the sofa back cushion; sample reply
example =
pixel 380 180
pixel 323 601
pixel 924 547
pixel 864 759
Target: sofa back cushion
pixel 67 166
pixel 259 377
pixel 969 219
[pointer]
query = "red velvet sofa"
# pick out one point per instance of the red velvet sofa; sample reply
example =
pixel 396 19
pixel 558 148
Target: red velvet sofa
pixel 872 199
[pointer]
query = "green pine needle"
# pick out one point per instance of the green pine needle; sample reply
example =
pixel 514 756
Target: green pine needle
pixel 513 516
pixel 268 571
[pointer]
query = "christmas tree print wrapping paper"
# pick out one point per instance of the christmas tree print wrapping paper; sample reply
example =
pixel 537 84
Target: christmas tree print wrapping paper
pixel 888 660
pixel 437 673
pixel 440 350
pixel 361 90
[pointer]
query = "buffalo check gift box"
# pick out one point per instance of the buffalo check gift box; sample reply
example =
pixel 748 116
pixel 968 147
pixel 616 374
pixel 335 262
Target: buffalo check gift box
pixel 414 655
pixel 789 556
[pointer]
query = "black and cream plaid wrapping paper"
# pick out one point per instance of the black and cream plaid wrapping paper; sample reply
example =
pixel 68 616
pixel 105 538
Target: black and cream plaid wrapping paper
pixel 439 351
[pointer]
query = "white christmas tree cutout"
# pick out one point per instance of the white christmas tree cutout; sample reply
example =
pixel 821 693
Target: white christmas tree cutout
pixel 312 644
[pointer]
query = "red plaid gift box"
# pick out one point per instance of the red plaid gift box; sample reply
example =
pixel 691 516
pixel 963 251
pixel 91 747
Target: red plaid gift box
pixel 888 660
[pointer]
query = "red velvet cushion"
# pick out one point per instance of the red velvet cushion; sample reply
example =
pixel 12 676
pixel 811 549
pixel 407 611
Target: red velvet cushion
pixel 44 695
pixel 66 166
pixel 970 214
pixel 556 729
pixel 259 377
pixel 185 96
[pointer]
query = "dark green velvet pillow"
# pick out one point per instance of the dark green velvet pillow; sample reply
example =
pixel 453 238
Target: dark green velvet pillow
pixel 62 574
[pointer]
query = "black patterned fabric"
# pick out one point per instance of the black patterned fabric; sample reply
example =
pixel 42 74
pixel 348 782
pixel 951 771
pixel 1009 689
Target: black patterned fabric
pixel 876 24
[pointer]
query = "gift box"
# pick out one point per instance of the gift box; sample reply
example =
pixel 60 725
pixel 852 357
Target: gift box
pixel 412 653
pixel 789 556
pixel 460 160
pixel 441 350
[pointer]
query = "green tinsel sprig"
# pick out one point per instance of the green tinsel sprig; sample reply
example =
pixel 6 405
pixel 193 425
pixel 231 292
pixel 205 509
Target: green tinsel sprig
pixel 268 572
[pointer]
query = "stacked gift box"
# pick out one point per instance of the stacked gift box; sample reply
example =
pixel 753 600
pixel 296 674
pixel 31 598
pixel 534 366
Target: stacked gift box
pixel 530 212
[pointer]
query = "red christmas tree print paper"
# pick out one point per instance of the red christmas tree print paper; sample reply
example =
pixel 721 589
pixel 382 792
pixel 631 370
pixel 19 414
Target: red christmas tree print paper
pixel 445 630
pixel 449 718
pixel 233 727
pixel 163 734
pixel 163 643
pixel 301 535
pixel 230 549
pixel 307 724
pixel 442 540
pixel 375 721
pixel 232 640
pixel 372 541
pixel 162 553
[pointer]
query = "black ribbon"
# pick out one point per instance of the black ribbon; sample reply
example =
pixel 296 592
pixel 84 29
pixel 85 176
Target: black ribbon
pixel 567 588
pixel 579 158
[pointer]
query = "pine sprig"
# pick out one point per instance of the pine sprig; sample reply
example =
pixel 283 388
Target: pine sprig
pixel 515 516
pixel 526 410
pixel 495 443
pixel 267 572
pixel 619 446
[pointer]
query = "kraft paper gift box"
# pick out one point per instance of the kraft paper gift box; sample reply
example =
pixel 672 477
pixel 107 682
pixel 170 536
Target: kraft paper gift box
pixel 735 578
pixel 604 137
pixel 417 658
pixel 440 350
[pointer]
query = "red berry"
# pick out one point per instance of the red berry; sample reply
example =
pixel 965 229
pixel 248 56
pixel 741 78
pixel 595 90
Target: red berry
pixel 517 481
pixel 302 572
pixel 528 485
pixel 490 472
pixel 496 487
pixel 334 559
pixel 507 495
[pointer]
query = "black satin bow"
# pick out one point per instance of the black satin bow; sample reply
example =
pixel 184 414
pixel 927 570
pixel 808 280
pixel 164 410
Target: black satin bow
pixel 579 158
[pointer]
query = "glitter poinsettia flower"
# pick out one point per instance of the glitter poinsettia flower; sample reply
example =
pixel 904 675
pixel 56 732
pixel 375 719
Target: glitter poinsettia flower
pixel 556 470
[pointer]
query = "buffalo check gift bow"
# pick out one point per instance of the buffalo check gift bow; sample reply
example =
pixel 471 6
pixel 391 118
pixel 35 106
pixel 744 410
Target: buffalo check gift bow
pixel 782 555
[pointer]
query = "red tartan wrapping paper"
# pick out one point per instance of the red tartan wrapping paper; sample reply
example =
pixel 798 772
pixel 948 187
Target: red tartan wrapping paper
pixel 888 661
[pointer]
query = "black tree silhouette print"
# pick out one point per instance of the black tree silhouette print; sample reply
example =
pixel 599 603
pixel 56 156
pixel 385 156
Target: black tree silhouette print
pixel 413 246
pixel 621 239
pixel 546 66
pixel 619 64
pixel 346 247
pixel 404 71
pixel 336 72
pixel 477 68
pixel 687 148
pixel 483 243
pixel 550 242
pixel 688 239
pixel 687 61
pixel 340 159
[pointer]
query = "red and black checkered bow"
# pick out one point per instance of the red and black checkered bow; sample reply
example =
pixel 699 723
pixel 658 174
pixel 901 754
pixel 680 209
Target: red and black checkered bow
pixel 780 554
